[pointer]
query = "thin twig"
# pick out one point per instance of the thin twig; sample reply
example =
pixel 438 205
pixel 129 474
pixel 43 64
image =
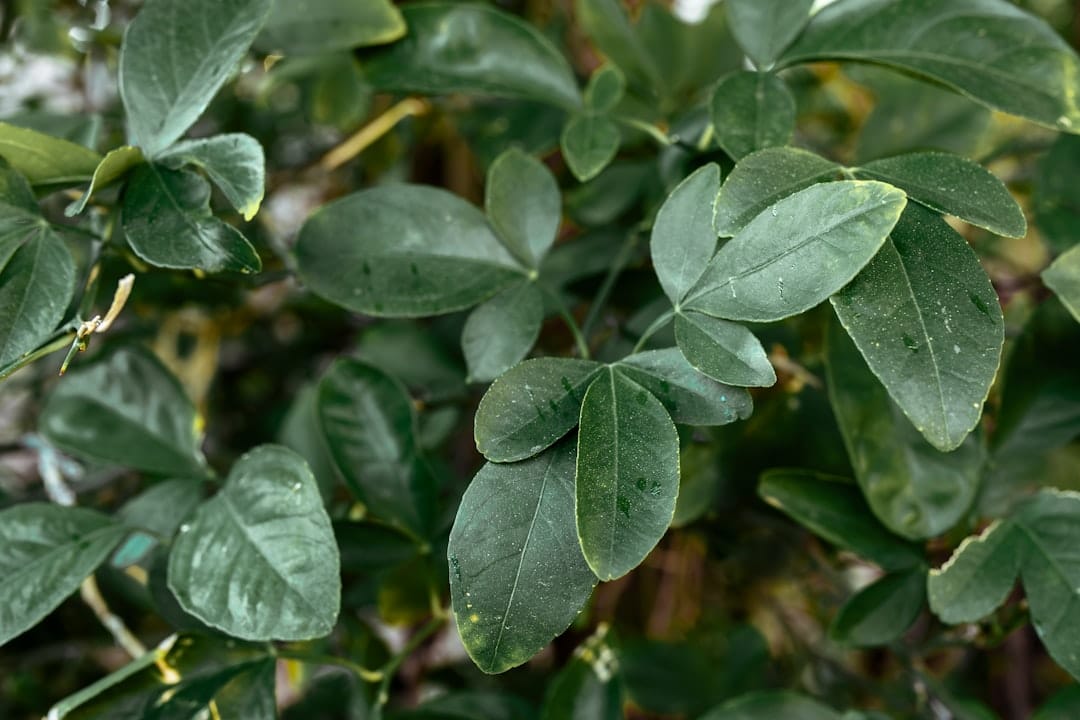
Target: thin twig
pixel 370 133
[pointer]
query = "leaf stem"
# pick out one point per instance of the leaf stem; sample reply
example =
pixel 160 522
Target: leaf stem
pixel 370 133
pixel 571 323
pixel 608 285
pixel 49 348
pixel 659 136
pixel 318 659
pixel 418 639
pixel 657 325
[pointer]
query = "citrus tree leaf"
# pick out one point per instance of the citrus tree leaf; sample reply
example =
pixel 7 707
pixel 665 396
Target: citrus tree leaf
pixel 683 239
pixel 171 66
pixel 403 251
pixel 315 27
pixel 44 160
pixel 234 162
pixel 926 318
pixel 1053 200
pixel 502 331
pixel 517 576
pixel 752 111
pixel 588 686
pixel 609 27
pixel 979 576
pixel 1063 277
pixel 46 551
pixel 258 560
pixel 126 410
pixel 797 253
pixel 765 28
pixel 627 474
pixel 725 351
pixel 115 165
pixel 589 144
pixel 167 221
pixel 606 89
pixel 989 50
pixel 531 406
pixel 523 204
pixel 472 48
pixel 882 611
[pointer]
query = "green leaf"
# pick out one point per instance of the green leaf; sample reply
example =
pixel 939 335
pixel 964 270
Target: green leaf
pixel 609 27
pixel 502 331
pixel 927 320
pixel 472 48
pixel 115 165
pixel 797 253
pixel 1054 200
pixel 752 111
pixel 162 507
pixel 882 611
pixel 523 204
pixel 627 474
pixel 403 251
pixel 952 185
pixel 915 490
pixel 250 693
pixel 167 221
pixel 46 551
pixel 683 239
pixel 765 28
pixel 171 66
pixel 1064 705
pixel 689 396
pixel 46 161
pixel 588 687
pixel 589 143
pixel 370 426
pixel 37 272
pixel 258 560
pixel 764 178
pixel 315 27
pixel 772 705
pixel 233 161
pixel 517 576
pixel 989 50
pixel 699 482
pixel 835 510
pixel 606 88
pixel 978 577
pixel 531 406
pixel 1063 277
pixel 725 351
pixel 125 410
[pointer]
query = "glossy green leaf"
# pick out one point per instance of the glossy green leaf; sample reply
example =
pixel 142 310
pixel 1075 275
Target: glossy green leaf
pixel 517 576
pixel 502 331
pixel 46 551
pixel 171 67
pixel 1063 277
pixel 589 143
pixel 609 27
pixel 233 161
pixel 725 351
pixel 250 693
pixel 915 490
pixel 315 27
pixel 797 253
pixel 370 427
pixel 763 179
pixel 472 48
pixel 258 560
pixel 882 611
pixel 772 706
pixel 835 510
pixel 167 221
pixel 191 698
pixel 689 396
pixel 605 90
pixel 978 577
pixel 926 318
pixel 1054 202
pixel 523 204
pixel 115 165
pixel 989 50
pixel 125 410
pixel 531 406
pixel 752 111
pixel 301 432
pixel 627 474
pixel 952 185
pixel 403 251
pixel 765 28
pixel 683 239
pixel 44 160
pixel 588 687
pixel 161 508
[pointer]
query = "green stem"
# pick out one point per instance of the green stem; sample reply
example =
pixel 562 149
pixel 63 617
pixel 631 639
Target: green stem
pixel 571 323
pixel 657 325
pixel 59 343
pixel 418 639
pixel 608 285
pixel 662 139
pixel 317 659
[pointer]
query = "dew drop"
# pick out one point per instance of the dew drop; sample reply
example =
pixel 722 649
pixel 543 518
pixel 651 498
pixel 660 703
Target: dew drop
pixel 185 528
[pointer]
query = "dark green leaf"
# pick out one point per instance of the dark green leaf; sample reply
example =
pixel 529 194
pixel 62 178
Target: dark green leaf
pixel 772 706
pixel 627 474
pixel 689 396
pixel 882 611
pixel 523 204
pixel 127 410
pixel 699 482
pixel 46 551
pixel 416 356
pixel 588 687
pixel 250 693
pixel 172 66
pixel 989 50
pixel 1065 705
pixel 190 699
pixel 1063 277
pixel 765 28
pixel 234 162
pixel 978 577
pixel 167 222
pixel 404 251
pixel 301 432
pixel 531 406
pixel 725 351
pixel 797 253
pixel 589 143
pixel 502 331
pixel 926 318
pixel 605 90
pixel 1054 200
pixel 517 576
pixel 258 561
pixel 46 161
pixel 683 239
pixel 752 111
pixel 609 27
pixel 763 179
pixel 952 185
pixel 472 48
pixel 162 507
pixel 314 27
